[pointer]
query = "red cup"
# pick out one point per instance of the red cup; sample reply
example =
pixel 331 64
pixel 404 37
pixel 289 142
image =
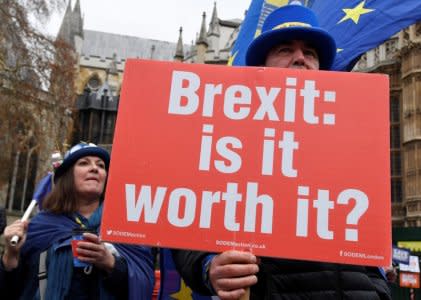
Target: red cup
pixel 77 236
pixel 74 247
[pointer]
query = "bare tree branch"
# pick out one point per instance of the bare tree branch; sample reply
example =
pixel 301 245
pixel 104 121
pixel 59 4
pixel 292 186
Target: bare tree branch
pixel 36 81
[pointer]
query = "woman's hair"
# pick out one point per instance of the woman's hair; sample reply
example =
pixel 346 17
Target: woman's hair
pixel 62 198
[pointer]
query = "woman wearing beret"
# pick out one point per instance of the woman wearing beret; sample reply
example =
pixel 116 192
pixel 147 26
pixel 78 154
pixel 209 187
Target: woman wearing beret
pixel 41 265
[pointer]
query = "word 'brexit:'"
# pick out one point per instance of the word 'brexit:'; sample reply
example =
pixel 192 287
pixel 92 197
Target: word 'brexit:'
pixel 237 99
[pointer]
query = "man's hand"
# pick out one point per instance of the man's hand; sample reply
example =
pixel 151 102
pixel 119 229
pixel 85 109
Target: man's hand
pixel 232 272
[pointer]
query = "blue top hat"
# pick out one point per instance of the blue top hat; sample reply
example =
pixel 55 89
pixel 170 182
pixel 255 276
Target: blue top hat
pixel 292 22
pixel 78 151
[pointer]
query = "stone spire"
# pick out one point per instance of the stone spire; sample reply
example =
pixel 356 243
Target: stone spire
pixel 112 66
pixel 214 28
pixel 179 52
pixel 153 48
pixel 202 36
pixel 77 20
pixel 72 25
pixel 64 32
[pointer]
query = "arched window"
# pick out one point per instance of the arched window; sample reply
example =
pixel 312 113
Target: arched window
pixel 94 82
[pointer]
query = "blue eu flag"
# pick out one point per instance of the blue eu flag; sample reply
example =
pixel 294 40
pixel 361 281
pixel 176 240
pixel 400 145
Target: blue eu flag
pixel 172 286
pixel 356 25
pixel 359 26
pixel 42 189
pixel 248 31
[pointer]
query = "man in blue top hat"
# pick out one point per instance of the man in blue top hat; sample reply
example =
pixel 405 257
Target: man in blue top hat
pixel 292 27
pixel 291 38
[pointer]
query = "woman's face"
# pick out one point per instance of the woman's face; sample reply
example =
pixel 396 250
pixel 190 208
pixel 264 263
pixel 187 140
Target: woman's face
pixel 90 175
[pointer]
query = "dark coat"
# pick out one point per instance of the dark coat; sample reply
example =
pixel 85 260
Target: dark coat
pixel 281 279
pixel 22 283
pixel 3 219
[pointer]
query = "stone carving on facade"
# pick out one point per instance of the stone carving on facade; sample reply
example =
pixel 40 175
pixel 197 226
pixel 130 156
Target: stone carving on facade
pixel 391 48
pixel 418 30
pixel 362 63
pixel 376 55
pixel 405 38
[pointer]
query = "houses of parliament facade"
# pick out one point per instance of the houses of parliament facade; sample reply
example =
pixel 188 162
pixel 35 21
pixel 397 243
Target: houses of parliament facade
pixel 101 60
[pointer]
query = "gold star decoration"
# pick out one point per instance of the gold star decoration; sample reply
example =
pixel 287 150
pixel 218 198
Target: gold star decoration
pixel 355 13
pixel 184 293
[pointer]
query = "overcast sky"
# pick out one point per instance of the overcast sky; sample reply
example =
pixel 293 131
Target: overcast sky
pixel 153 19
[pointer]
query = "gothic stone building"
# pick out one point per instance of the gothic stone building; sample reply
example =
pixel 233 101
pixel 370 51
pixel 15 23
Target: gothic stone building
pixel 102 58
pixel 400 58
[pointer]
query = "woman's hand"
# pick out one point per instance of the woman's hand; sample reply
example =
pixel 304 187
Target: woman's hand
pixel 11 252
pixel 92 250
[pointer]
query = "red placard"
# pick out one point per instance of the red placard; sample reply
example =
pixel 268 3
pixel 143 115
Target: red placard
pixel 287 163
pixel 409 280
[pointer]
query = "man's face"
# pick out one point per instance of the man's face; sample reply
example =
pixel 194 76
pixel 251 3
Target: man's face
pixel 295 54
